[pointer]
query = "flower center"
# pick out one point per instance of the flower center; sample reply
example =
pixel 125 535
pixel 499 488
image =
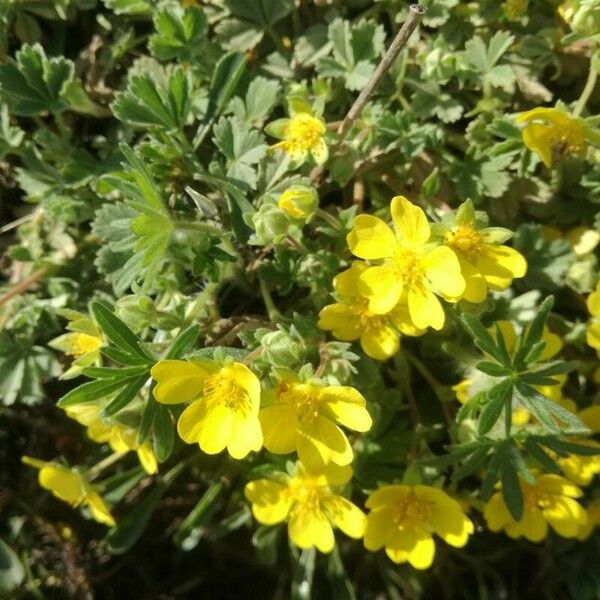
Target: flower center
pixel 407 267
pixel 304 398
pixel 465 240
pixel 534 498
pixel 304 132
pixel 82 343
pixel 221 389
pixel 569 139
pixel 411 511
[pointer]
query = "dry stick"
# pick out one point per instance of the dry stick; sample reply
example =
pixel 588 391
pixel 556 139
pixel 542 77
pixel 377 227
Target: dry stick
pixel 415 15
pixel 23 286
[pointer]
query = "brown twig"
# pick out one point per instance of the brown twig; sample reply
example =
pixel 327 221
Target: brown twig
pixel 23 286
pixel 415 15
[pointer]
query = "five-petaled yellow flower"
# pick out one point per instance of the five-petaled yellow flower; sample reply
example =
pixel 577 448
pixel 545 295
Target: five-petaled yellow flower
pixel 412 270
pixel 303 417
pixel 552 133
pixel 225 400
pixel 351 319
pixel 403 519
pixel 72 487
pixel 83 342
pixel 550 500
pixel 309 505
pixel 484 262
pixel 120 437
pixel 301 135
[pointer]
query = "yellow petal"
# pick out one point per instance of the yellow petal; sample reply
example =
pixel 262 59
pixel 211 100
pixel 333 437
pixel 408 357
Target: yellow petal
pixel 496 513
pixel 591 417
pixel 371 238
pixel 63 483
pixel 500 264
pixel 147 458
pixel 383 287
pixel 410 222
pixel 388 495
pixel 443 272
pixel 98 508
pixel 592 335
pixel 320 442
pixel 566 516
pixel 308 528
pixel 215 433
pixel 279 426
pixel 475 284
pixel 342 320
pixel 593 302
pixel 178 381
pixel 555 484
pixel 425 309
pixel 423 551
pixel 539 139
pixel 345 515
pixel 347 406
pixel 336 474
pixel 191 421
pixel 451 524
pixel 270 501
pixel 380 342
pixel 246 436
pixel 533 525
pixel 346 283
pixel 320 152
pixel 378 531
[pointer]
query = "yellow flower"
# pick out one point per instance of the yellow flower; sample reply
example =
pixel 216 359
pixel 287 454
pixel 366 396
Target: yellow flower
pixel 412 271
pixel 404 518
pixel 83 342
pixel 593 329
pixel 484 262
pixel 303 417
pixel 72 487
pixel 514 9
pixel 593 519
pixel 549 501
pixel 299 202
pixel 118 436
pixel 551 133
pixel 303 134
pixel 306 501
pixel 350 318
pixel 224 404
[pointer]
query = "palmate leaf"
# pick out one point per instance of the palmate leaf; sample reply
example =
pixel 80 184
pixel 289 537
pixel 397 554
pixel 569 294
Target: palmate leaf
pixel 497 399
pixel 33 83
pixel 147 104
pixel 180 32
pixel 139 258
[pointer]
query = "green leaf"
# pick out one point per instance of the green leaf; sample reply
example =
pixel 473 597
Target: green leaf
pixel 111 372
pixel 12 572
pixel 94 390
pixel 126 395
pixel 511 487
pixel 147 102
pixel 535 331
pixel 184 342
pixel 33 84
pixel 496 400
pixel 493 369
pixel 540 456
pixel 180 33
pixel 472 463
pixel 224 81
pixel 164 433
pixel 118 332
pixel 261 97
pixel 564 447
pixel 200 514
pixel 483 340
pixel 542 373
pixel 242 146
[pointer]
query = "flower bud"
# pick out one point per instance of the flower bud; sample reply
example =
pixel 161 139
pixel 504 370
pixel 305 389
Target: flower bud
pixel 299 202
pixel 270 224
pixel 281 349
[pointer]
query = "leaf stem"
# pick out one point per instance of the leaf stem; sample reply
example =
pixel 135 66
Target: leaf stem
pixel 110 460
pixel 272 311
pixel 590 84
pixel 201 227
pixel 329 218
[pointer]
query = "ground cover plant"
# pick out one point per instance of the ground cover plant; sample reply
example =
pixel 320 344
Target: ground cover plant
pixel 299 299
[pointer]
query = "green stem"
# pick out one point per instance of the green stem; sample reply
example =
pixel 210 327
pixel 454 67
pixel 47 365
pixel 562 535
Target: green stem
pixel 329 218
pixel 590 84
pixel 110 460
pixel 201 227
pixel 272 312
